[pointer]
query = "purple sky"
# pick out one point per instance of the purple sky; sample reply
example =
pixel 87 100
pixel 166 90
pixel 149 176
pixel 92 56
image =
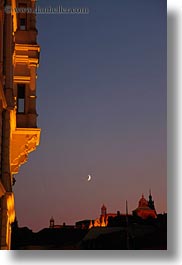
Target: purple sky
pixel 102 109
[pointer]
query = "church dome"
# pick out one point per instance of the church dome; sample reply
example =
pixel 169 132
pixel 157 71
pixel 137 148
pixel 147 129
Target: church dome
pixel 144 211
pixel 143 202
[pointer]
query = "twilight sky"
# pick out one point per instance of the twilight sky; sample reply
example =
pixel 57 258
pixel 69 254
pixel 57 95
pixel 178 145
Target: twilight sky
pixel 102 109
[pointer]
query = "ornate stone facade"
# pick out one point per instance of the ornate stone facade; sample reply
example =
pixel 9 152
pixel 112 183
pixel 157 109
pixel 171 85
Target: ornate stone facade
pixel 19 135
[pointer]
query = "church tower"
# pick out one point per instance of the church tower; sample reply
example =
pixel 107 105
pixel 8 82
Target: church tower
pixel 103 210
pixel 51 223
pixel 151 202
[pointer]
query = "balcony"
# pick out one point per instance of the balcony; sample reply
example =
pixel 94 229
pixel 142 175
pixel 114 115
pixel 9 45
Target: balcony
pixel 24 141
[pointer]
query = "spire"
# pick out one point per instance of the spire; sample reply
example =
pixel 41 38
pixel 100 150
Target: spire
pixel 151 202
pixel 150 195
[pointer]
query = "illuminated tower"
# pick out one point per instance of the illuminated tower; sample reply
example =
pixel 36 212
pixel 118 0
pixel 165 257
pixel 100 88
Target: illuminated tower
pixel 19 135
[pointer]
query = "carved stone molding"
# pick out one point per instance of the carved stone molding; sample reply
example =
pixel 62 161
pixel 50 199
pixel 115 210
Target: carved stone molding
pixel 24 141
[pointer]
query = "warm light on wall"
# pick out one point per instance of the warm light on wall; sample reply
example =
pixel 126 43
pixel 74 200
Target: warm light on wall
pixel 27 47
pixel 10 207
pixel 21 79
pixel 14 15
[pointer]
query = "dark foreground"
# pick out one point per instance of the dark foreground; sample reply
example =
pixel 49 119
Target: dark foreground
pixel 136 236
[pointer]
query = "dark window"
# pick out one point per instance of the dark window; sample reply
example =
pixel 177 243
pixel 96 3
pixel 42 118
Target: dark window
pixel 21 98
pixel 22 17
pixel 22 23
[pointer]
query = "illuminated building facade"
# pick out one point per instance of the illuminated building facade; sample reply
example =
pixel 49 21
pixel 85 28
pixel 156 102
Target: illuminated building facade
pixel 103 220
pixel 19 135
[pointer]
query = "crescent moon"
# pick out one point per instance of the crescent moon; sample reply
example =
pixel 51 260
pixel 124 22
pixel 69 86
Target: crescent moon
pixel 89 178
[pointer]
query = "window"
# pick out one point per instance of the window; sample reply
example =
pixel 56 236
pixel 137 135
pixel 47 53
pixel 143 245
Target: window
pixel 22 17
pixel 22 24
pixel 21 98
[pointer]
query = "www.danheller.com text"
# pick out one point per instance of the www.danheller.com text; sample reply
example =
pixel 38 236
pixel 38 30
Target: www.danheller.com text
pixel 47 10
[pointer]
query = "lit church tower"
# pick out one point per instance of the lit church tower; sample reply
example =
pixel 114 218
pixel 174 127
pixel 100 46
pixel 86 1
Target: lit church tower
pixel 19 135
pixel 103 216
